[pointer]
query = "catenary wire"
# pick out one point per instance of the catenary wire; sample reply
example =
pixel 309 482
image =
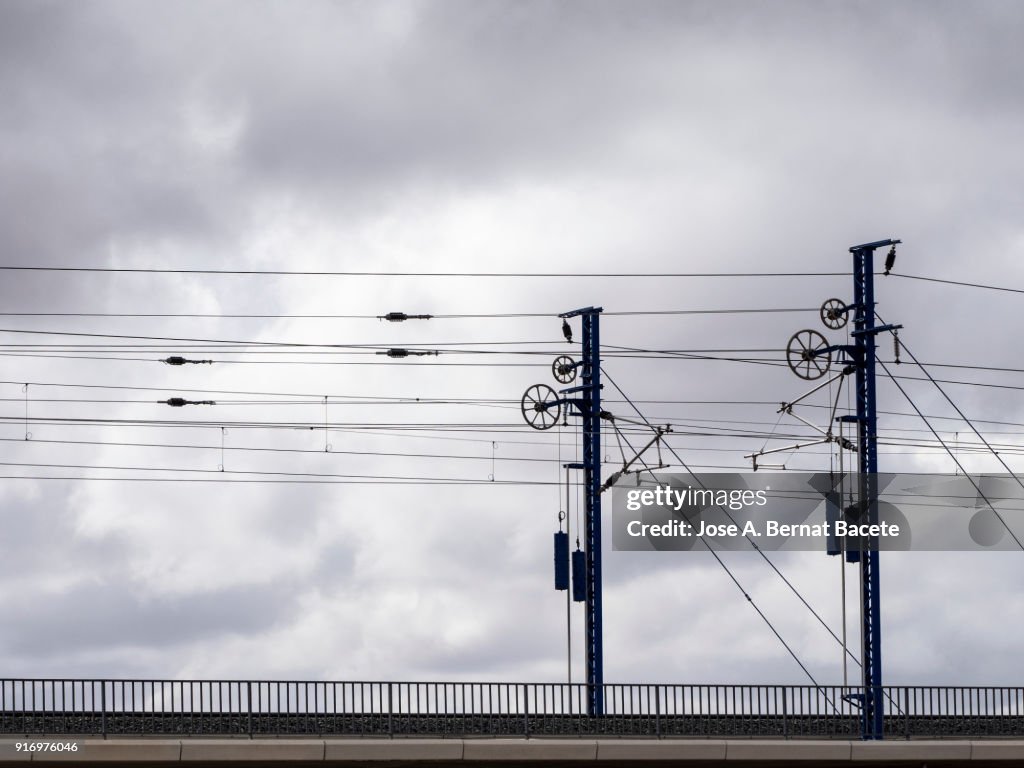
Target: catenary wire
pixel 722 563
pixel 374 273
pixel 764 556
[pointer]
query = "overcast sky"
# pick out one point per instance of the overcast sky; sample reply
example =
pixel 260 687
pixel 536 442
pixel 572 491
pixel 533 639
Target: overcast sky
pixel 488 137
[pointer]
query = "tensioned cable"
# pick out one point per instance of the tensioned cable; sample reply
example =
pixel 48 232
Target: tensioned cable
pixel 718 558
pixel 220 344
pixel 416 361
pixel 885 413
pixel 654 354
pixel 704 430
pixel 305 349
pixel 453 316
pixel 383 361
pixel 78 478
pixel 753 544
pixel 697 448
pixel 225 403
pixel 959 412
pixel 268 473
pixel 493 427
pixel 410 428
pixel 257 393
pixel 957 282
pixel 952 455
pixel 369 273
pixel 292 481
pixel 265 449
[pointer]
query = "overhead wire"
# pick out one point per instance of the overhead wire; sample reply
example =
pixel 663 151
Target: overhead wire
pixel 440 316
pixel 273 473
pixel 377 273
pixel 667 353
pixel 961 283
pixel 222 479
pixel 463 274
pixel 959 412
pixel 753 544
pixel 460 400
pixel 721 562
pixel 953 456
pixel 273 449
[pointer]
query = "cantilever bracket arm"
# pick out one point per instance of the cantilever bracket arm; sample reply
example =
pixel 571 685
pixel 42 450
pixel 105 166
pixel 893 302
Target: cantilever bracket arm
pixel 788 406
pixel 810 424
pixel 660 432
pixel 607 416
pixel 794 447
pixel 829 438
pixel 876 329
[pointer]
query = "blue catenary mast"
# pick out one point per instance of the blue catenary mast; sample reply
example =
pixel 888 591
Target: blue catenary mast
pixel 590 403
pixel 867 448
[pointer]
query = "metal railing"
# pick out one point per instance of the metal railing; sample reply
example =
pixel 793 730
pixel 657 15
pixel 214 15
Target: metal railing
pixel 267 707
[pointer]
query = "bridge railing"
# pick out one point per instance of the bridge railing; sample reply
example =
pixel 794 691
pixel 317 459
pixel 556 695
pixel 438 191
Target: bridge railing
pixel 440 709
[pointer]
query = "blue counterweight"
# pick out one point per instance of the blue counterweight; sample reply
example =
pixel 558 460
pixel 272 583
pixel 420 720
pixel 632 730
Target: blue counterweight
pixel 561 560
pixel 579 576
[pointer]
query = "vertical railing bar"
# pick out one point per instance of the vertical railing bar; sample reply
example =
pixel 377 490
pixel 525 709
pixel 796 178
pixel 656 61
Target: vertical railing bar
pixel 657 711
pixel 906 712
pixel 526 711
pixel 391 725
pixel 785 712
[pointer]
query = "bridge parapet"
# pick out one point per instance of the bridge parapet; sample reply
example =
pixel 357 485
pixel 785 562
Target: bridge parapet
pixel 497 710
pixel 479 752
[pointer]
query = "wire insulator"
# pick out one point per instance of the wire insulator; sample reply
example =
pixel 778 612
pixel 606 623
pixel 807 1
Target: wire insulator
pixel 896 347
pixel 399 317
pixel 401 352
pixel 178 360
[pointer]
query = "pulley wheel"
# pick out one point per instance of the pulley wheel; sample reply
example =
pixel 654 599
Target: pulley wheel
pixel 808 354
pixel 541 406
pixel 834 314
pixel 564 369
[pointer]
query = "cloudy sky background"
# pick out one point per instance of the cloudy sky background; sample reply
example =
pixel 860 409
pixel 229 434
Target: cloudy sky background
pixel 486 137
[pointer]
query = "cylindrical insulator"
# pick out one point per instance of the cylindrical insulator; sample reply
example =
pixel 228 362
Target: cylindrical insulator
pixel 579 576
pixel 561 560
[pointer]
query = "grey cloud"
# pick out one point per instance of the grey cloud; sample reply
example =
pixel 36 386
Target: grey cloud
pixel 662 136
pixel 101 616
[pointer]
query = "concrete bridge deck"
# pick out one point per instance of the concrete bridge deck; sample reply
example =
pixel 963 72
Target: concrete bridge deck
pixel 379 752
